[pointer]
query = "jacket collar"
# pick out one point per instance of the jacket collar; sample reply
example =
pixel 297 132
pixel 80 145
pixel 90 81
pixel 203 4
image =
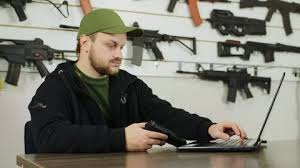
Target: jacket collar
pixel 121 80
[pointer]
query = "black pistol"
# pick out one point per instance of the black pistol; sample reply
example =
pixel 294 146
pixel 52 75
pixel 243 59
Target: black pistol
pixel 173 139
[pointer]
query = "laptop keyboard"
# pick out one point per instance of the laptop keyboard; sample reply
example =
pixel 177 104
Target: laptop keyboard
pixel 234 142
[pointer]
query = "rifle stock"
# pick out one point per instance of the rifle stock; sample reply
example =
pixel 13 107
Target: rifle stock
pixel 262 82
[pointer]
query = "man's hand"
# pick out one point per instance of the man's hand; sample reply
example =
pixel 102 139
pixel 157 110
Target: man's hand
pixel 139 139
pixel 224 130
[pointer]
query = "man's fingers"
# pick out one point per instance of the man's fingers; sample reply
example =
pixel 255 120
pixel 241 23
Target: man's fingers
pixel 156 135
pixel 243 134
pixel 144 149
pixel 154 142
pixel 148 147
pixel 246 136
pixel 162 143
pixel 141 125
pixel 230 132
pixel 221 135
pixel 236 130
pixel 225 130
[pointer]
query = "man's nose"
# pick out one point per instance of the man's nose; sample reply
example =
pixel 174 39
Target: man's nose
pixel 118 53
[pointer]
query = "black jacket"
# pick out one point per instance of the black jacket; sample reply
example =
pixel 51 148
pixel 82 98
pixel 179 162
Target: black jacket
pixel 65 119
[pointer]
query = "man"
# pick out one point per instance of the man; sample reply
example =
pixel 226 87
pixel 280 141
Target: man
pixel 92 106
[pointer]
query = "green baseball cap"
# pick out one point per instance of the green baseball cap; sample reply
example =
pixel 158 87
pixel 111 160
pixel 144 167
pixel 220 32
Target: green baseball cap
pixel 106 21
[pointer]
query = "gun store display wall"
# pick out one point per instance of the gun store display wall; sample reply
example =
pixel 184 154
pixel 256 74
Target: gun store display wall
pixel 205 97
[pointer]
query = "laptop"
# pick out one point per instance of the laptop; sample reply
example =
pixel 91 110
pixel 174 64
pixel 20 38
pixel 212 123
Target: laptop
pixel 232 145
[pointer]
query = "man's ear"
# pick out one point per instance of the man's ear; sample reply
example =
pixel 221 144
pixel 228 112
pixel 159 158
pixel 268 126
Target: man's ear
pixel 85 43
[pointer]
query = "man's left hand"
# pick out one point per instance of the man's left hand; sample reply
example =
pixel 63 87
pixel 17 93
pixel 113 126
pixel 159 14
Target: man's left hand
pixel 224 130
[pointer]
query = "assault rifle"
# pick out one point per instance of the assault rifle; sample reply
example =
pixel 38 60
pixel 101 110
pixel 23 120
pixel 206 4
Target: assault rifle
pixel 18 6
pixel 193 8
pixel 21 52
pixel 226 23
pixel 237 79
pixel 224 49
pixel 273 5
pixel 149 41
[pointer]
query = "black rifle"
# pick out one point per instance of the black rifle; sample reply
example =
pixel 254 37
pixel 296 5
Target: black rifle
pixel 26 51
pixel 18 5
pixel 224 49
pixel 149 41
pixel 235 78
pixel 226 23
pixel 173 3
pixel 273 5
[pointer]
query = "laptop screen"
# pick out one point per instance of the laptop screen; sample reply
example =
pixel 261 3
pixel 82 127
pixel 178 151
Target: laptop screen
pixel 270 109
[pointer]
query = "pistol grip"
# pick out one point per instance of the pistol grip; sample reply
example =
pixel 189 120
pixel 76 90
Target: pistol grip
pixel 270 14
pixel 172 5
pixel 269 55
pixel 247 91
pixel 286 22
pixel 156 51
pixel 41 68
pixel 18 6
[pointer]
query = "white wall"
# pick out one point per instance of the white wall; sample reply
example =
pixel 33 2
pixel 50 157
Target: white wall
pixel 202 97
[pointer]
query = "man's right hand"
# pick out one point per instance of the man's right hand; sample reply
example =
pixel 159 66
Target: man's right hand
pixel 139 139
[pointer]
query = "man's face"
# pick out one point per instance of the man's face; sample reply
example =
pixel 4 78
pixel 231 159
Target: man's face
pixel 105 52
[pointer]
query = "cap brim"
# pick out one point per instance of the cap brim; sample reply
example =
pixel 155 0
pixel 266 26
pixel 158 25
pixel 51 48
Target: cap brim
pixel 130 31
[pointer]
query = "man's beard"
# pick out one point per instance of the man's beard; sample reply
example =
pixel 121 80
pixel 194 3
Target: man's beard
pixel 100 66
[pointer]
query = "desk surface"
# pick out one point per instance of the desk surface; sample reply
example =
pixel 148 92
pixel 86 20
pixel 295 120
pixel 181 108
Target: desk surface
pixel 275 154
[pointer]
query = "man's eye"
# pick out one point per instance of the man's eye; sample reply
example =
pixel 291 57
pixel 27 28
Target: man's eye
pixel 111 45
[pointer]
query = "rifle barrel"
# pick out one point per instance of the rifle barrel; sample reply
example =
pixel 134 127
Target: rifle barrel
pixel 288 48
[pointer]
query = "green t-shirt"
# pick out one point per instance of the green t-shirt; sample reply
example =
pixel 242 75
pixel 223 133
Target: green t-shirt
pixel 98 89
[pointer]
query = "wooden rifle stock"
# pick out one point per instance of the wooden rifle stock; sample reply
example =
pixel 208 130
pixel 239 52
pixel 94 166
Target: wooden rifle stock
pixel 86 6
